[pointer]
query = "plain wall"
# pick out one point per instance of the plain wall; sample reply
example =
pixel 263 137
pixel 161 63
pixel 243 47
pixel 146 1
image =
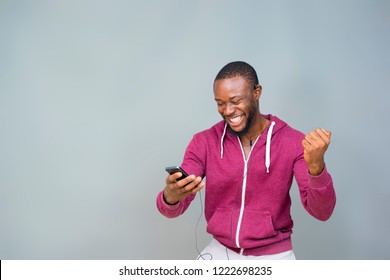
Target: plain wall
pixel 97 97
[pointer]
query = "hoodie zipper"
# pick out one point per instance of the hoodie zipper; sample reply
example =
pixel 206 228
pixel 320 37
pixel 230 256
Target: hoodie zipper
pixel 246 160
pixel 242 207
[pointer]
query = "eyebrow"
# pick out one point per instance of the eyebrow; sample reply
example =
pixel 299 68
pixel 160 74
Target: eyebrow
pixel 230 98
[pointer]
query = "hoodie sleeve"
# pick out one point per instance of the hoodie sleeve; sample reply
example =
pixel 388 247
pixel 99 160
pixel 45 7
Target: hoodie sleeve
pixel 172 211
pixel 317 193
pixel 193 164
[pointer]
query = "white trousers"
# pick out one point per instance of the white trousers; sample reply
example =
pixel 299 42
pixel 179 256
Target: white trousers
pixel 216 251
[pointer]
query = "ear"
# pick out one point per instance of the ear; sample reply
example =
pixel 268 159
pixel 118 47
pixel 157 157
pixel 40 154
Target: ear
pixel 257 92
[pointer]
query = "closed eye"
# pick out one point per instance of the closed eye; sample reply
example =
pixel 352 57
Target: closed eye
pixel 236 101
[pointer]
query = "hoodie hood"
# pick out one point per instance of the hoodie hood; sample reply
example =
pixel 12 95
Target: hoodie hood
pixel 274 125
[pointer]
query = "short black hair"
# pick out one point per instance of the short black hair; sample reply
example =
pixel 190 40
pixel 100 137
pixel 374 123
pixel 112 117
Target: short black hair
pixel 238 69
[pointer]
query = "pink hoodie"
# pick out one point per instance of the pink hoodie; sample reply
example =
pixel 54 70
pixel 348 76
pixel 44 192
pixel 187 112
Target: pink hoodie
pixel 247 202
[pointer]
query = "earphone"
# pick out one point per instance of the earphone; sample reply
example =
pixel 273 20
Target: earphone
pixel 209 255
pixel 200 255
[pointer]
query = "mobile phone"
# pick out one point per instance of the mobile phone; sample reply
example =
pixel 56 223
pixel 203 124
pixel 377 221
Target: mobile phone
pixel 173 169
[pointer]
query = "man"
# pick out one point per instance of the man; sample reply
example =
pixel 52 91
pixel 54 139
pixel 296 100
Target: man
pixel 249 161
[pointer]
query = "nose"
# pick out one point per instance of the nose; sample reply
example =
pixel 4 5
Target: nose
pixel 229 109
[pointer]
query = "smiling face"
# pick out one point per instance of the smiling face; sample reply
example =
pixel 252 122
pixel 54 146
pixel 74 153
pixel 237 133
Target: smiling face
pixel 238 103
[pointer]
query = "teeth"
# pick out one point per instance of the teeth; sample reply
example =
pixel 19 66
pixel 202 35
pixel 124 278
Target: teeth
pixel 236 119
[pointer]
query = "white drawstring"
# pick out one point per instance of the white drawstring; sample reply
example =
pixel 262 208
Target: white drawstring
pixel 223 135
pixel 268 147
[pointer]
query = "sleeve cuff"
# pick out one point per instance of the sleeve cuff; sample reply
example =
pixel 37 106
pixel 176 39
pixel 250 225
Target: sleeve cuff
pixel 166 205
pixel 321 180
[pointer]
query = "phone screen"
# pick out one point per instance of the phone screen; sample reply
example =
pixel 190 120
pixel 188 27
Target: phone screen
pixel 173 169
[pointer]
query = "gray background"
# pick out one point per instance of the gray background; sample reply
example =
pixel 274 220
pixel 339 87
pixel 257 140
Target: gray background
pixel 97 97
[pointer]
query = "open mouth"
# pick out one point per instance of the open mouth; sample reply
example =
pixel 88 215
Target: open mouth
pixel 235 121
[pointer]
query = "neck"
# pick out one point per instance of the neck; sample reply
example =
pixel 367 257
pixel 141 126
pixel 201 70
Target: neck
pixel 258 126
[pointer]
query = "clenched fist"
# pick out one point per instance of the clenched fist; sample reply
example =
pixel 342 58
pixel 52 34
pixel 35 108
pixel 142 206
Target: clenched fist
pixel 315 145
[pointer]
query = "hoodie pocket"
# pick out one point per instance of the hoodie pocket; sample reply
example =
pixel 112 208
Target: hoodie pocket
pixel 256 225
pixel 222 225
pixel 255 230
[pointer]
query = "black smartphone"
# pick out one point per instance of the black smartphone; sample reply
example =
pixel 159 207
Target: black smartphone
pixel 173 169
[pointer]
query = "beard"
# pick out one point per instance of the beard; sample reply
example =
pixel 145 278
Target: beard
pixel 250 117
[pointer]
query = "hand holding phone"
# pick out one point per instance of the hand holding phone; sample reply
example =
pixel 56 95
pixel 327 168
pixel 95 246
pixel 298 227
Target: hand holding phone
pixel 177 190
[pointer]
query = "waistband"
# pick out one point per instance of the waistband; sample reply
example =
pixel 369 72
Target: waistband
pixel 274 248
